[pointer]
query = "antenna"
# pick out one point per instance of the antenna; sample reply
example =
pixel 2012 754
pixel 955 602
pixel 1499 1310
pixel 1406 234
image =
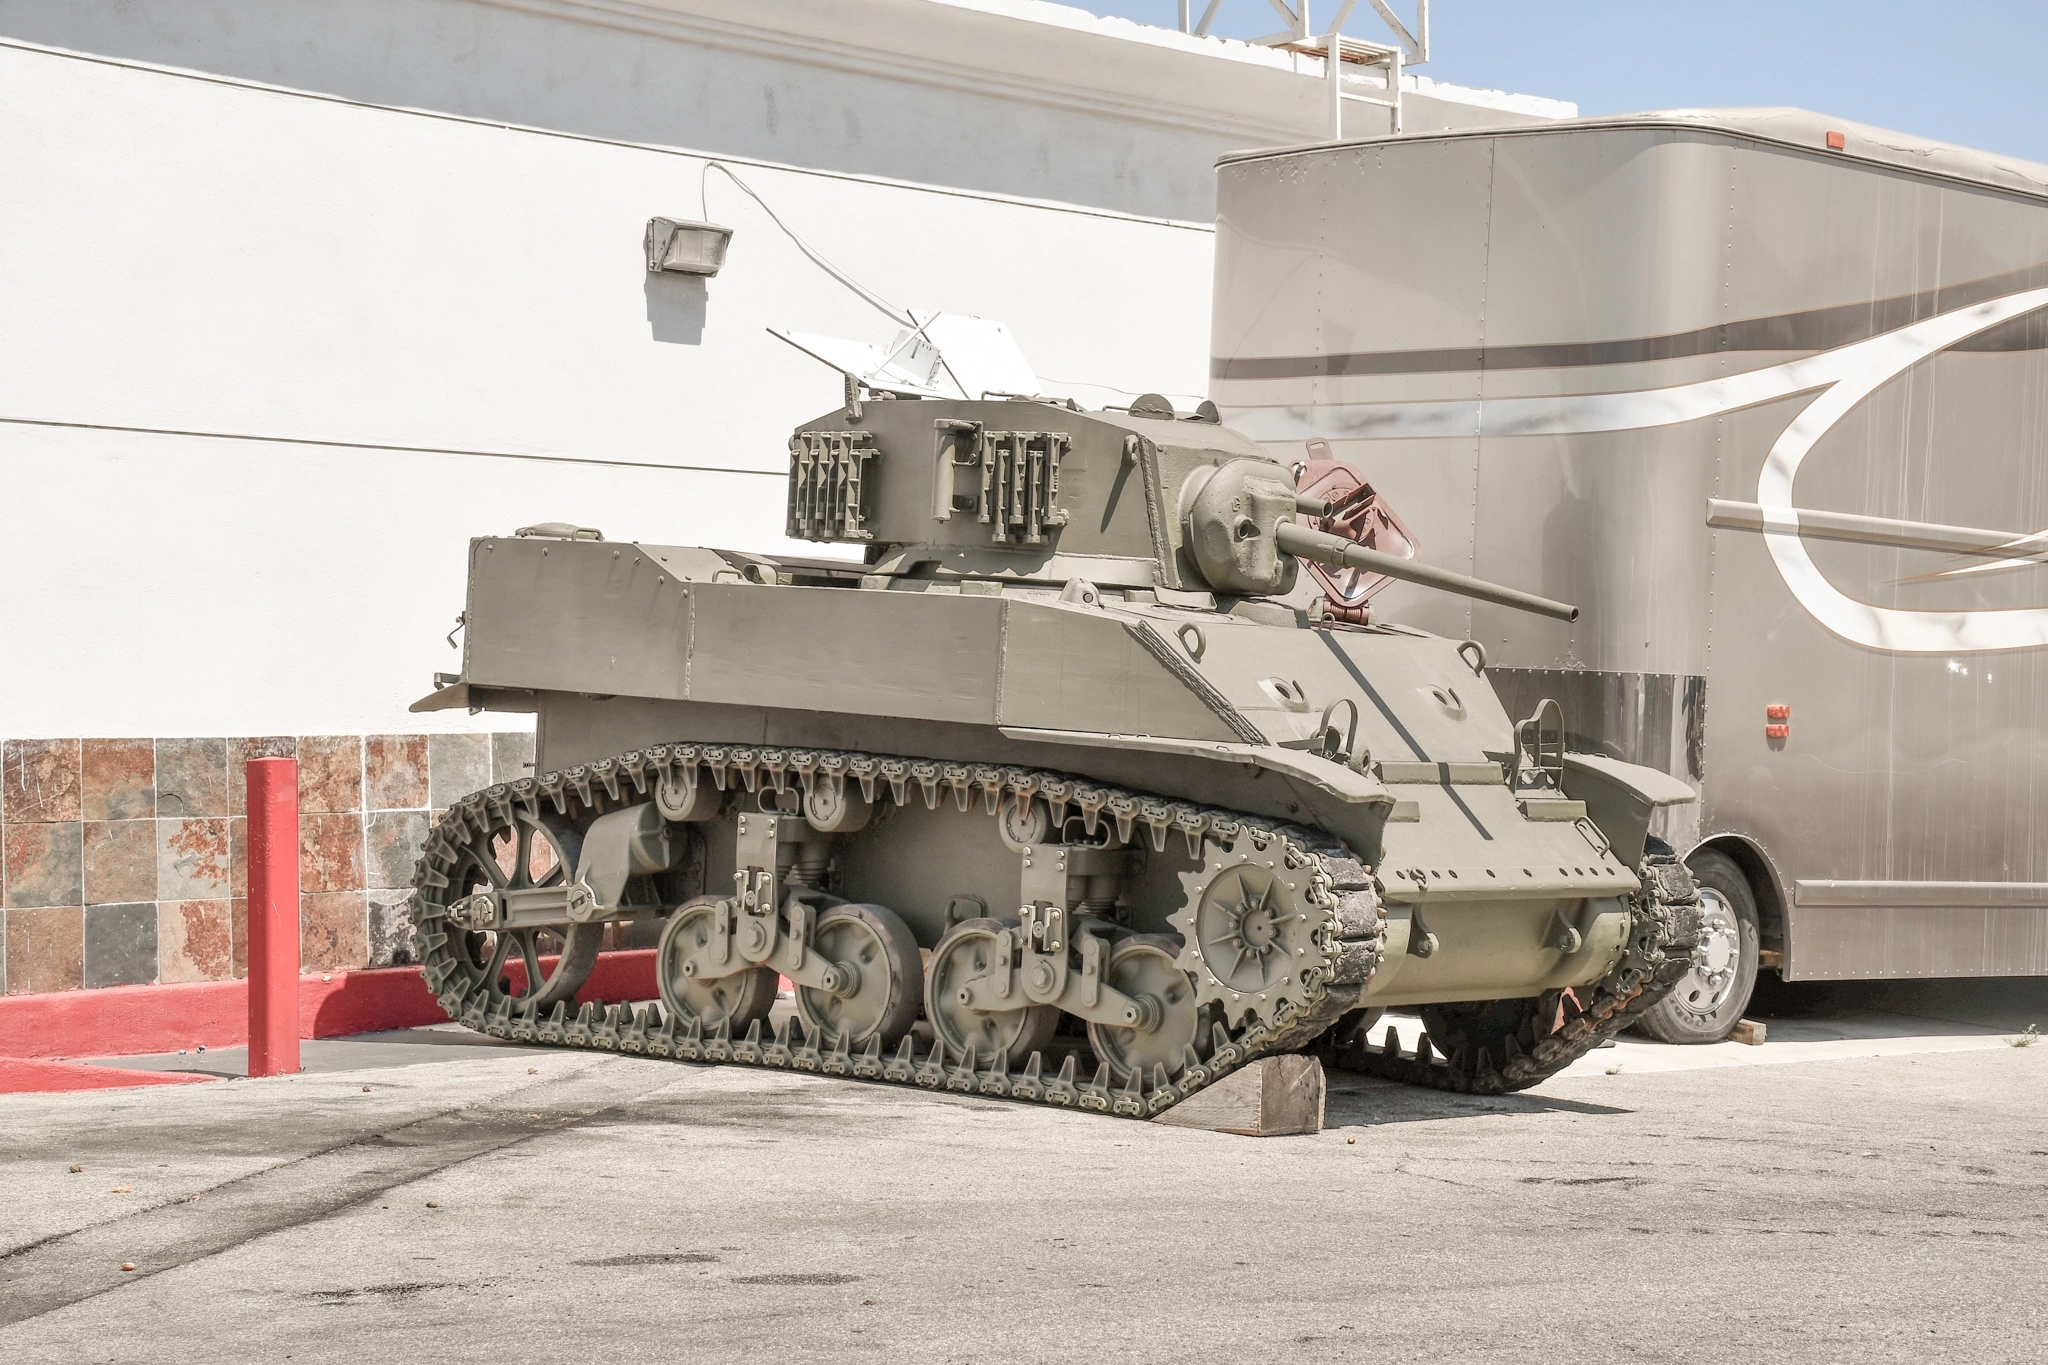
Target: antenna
pixel 946 355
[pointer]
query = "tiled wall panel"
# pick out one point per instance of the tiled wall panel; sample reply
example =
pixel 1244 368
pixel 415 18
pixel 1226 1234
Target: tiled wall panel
pixel 125 861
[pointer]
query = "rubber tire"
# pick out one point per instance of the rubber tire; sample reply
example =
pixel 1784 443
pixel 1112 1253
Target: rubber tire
pixel 1668 1021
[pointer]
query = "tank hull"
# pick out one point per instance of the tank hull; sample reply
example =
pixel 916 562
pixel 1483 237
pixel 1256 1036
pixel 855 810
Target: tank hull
pixel 618 648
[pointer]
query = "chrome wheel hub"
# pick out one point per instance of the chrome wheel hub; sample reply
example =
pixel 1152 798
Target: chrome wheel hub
pixel 1718 960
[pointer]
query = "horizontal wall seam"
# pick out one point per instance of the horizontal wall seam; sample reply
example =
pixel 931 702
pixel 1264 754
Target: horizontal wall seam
pixel 396 449
pixel 985 196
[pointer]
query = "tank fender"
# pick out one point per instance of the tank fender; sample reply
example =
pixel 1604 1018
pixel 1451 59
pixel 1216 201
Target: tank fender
pixel 452 696
pixel 1334 779
pixel 1620 798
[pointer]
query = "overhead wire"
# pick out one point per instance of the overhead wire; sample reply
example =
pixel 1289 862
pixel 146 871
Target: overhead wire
pixel 895 313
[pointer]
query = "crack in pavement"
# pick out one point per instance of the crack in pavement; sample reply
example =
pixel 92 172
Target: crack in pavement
pixel 71 1267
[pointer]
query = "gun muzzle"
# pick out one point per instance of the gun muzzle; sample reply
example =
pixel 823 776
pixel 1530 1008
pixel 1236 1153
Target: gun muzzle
pixel 1348 554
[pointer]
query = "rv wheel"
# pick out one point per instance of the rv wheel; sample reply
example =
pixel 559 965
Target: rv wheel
pixel 1709 1000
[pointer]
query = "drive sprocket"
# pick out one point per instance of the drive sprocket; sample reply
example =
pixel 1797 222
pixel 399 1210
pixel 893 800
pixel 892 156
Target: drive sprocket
pixel 1258 928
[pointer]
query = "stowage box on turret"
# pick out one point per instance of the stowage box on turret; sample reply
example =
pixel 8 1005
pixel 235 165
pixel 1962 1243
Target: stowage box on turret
pixel 1047 796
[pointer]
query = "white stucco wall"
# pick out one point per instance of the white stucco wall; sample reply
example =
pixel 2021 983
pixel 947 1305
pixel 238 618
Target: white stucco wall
pixel 281 330
pixel 1013 96
pixel 325 293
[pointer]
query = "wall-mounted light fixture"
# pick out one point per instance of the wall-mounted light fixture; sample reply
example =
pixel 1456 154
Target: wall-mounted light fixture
pixel 684 247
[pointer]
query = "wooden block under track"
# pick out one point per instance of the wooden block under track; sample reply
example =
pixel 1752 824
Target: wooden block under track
pixel 1272 1097
pixel 1750 1032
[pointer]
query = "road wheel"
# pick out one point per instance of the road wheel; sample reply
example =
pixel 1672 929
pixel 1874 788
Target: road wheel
pixel 696 985
pixel 968 954
pixel 877 953
pixel 1147 968
pixel 1708 1001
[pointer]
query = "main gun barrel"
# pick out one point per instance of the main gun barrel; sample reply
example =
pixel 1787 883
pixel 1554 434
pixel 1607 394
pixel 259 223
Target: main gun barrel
pixel 1324 548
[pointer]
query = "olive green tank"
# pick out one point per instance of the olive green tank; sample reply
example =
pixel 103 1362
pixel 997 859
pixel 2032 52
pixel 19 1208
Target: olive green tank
pixel 1047 794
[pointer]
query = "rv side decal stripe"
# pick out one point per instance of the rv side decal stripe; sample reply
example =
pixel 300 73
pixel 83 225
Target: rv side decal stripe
pixel 1815 329
pixel 1859 367
pixel 1838 380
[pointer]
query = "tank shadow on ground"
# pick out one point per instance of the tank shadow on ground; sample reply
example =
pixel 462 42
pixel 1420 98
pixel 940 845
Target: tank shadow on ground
pixel 1361 1102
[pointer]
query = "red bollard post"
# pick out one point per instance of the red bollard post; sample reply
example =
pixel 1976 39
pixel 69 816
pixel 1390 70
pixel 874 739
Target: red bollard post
pixel 273 916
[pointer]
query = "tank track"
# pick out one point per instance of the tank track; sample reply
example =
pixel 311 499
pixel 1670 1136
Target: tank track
pixel 1350 939
pixel 1557 1028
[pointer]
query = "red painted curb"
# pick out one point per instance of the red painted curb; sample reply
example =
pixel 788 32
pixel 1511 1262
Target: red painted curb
pixel 126 1021
pixel 627 974
pixel 21 1075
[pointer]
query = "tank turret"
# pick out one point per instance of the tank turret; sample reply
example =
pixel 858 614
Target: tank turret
pixel 1024 490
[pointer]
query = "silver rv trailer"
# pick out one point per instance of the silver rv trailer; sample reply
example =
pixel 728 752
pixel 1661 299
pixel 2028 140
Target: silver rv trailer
pixel 1766 395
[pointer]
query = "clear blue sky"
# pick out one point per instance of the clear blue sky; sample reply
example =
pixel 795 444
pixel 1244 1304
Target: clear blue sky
pixel 1972 72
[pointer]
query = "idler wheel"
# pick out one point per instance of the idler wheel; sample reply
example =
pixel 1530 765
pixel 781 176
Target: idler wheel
pixel 695 985
pixel 521 855
pixel 574 948
pixel 968 953
pixel 1146 968
pixel 880 978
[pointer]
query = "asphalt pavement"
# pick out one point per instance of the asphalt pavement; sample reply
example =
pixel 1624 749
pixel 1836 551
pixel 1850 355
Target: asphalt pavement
pixel 511 1204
